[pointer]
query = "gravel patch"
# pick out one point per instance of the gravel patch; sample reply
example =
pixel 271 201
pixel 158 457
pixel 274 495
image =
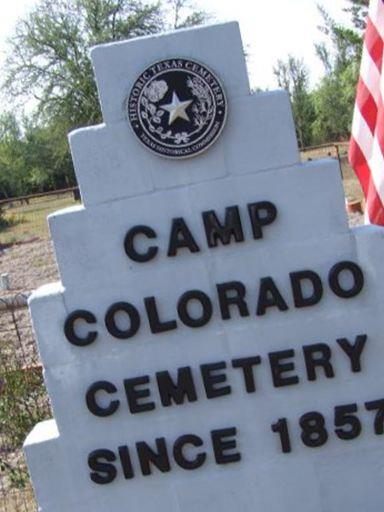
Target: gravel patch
pixel 29 266
pixel 356 219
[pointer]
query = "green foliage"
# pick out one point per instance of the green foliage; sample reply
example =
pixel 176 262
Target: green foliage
pixel 358 10
pixel 33 158
pixel 22 404
pixel 334 102
pixel 325 113
pixel 293 76
pixel 48 62
pixel 344 45
pixel 182 15
pixel 334 98
pixel 17 474
pixel 3 220
pixel 6 221
pixel 48 56
pixel 11 157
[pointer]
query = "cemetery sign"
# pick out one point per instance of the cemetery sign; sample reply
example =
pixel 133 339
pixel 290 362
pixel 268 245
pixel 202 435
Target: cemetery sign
pixel 216 339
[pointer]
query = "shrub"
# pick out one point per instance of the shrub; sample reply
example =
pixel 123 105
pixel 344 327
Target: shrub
pixel 23 403
pixel 3 220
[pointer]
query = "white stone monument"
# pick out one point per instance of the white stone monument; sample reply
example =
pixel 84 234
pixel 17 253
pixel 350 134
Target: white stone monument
pixel 216 340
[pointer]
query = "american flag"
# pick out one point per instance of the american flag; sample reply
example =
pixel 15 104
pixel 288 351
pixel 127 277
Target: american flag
pixel 366 151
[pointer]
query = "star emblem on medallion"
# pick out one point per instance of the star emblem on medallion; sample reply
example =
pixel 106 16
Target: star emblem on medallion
pixel 177 109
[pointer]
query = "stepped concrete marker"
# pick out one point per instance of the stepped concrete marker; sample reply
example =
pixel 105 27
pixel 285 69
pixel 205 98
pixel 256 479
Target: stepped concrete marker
pixel 216 340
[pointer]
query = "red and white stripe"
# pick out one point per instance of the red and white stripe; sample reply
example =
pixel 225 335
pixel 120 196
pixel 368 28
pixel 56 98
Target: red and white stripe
pixel 366 151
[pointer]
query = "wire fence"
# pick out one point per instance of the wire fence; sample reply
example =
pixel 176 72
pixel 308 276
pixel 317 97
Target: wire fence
pixel 23 398
pixel 337 150
pixel 23 402
pixel 25 218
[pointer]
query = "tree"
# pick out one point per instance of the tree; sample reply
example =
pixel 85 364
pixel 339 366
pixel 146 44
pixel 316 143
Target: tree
pixel 334 97
pixel 48 61
pixel 33 158
pixel 12 176
pixel 182 15
pixel 333 102
pixel 48 54
pixel 358 10
pixel 293 76
pixel 344 47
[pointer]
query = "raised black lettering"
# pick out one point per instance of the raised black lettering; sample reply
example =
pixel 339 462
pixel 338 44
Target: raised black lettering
pixel 232 294
pixel 216 232
pixel 102 473
pixel 342 290
pixel 261 214
pixel 93 406
pixel 269 296
pixel 149 457
pixel 179 455
pixel 298 280
pixel 221 445
pixel 318 355
pixel 181 238
pixel 129 311
pixel 354 351
pixel 135 396
pixel 279 368
pixel 206 308
pixel 129 244
pixel 155 324
pixel 246 364
pixel 69 328
pixel 126 463
pixel 211 378
pixel 179 392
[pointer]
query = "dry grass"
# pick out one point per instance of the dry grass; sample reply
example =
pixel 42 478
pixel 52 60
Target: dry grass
pixel 18 501
pixel 352 186
pixel 29 221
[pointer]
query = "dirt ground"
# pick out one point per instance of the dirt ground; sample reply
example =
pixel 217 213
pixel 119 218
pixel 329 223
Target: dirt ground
pixel 29 266
pixel 19 501
pixel 29 221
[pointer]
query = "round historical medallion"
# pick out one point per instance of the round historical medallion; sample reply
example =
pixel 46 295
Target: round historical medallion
pixel 177 108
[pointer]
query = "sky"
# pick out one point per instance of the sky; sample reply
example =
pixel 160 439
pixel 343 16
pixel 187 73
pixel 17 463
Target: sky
pixel 273 29
pixel 270 30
